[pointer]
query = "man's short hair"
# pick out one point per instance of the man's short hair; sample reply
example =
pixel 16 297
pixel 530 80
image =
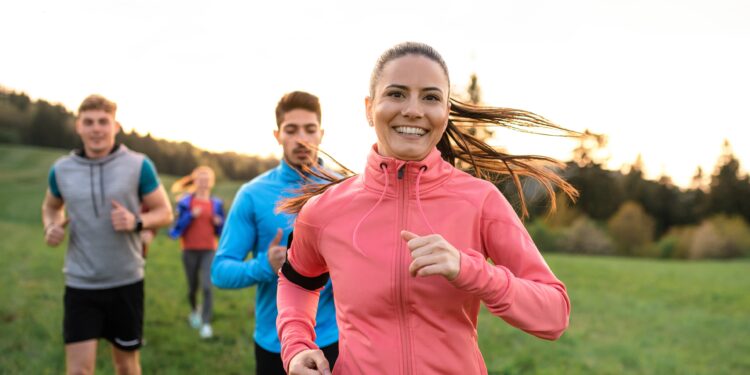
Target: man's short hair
pixel 97 102
pixel 297 100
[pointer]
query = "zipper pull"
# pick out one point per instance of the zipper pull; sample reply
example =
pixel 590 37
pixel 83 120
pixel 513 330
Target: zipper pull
pixel 401 172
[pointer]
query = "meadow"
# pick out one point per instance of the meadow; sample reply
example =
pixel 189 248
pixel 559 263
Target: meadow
pixel 632 316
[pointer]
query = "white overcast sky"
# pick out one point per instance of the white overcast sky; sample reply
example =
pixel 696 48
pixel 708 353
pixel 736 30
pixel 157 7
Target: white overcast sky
pixel 669 79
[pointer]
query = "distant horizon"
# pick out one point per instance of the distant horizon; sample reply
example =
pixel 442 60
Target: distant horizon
pixel 278 155
pixel 666 79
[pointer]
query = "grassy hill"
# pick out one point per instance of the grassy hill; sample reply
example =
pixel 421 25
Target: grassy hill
pixel 629 315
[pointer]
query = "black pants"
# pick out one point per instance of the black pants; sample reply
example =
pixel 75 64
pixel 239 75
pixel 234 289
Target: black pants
pixel 198 266
pixel 269 363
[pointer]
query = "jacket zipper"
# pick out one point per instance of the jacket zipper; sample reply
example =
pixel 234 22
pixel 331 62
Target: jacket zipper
pixel 401 272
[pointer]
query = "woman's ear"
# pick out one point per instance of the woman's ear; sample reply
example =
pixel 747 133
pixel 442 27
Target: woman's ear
pixel 368 110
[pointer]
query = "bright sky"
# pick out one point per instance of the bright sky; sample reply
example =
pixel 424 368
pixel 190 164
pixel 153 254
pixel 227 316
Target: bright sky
pixel 669 79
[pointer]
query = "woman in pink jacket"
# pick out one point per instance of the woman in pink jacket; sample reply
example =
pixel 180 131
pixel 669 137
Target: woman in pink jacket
pixel 406 243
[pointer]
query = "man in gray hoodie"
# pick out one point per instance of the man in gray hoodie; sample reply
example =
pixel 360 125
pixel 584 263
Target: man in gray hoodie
pixel 97 192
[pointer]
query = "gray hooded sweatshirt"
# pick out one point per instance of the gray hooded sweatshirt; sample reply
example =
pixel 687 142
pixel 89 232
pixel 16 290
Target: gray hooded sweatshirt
pixel 98 257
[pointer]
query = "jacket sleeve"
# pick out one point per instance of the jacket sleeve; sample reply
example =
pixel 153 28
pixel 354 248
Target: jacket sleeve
pixel 298 306
pixel 219 211
pixel 520 287
pixel 229 269
pixel 184 218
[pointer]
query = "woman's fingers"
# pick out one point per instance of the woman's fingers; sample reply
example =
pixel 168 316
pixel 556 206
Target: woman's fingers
pixel 426 261
pixel 433 270
pixel 309 362
pixel 425 250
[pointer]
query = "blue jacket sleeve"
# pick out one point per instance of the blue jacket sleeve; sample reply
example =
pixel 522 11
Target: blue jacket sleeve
pixel 184 218
pixel 219 211
pixel 229 269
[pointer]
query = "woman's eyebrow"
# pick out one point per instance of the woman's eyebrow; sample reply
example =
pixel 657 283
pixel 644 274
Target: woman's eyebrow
pixel 404 87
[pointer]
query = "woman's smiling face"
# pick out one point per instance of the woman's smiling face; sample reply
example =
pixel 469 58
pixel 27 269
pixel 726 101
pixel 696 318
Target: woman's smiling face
pixel 410 107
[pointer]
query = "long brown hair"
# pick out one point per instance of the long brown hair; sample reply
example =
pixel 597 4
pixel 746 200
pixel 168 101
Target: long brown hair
pixel 186 184
pixel 458 145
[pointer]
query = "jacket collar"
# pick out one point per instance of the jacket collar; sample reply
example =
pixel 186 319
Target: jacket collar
pixel 288 173
pixel 434 172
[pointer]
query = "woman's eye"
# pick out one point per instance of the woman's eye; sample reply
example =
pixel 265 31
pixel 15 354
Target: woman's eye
pixel 395 94
pixel 432 97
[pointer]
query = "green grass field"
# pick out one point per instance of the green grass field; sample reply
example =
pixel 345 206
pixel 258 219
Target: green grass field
pixel 629 315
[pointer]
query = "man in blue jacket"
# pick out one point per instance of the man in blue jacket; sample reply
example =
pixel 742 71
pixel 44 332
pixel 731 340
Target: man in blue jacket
pixel 253 226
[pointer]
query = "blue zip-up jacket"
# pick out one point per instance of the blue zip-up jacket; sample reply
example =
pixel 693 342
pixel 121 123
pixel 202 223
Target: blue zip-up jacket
pixel 250 227
pixel 185 217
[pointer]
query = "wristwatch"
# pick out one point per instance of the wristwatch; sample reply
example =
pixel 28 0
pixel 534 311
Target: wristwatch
pixel 138 224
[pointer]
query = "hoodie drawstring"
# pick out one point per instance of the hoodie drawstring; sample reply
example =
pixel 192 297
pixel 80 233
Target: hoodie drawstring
pixel 101 183
pixel 384 168
pixel 93 198
pixel 419 202
pixel 101 187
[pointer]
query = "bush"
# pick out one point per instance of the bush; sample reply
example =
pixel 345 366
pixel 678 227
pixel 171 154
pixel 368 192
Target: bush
pixel 737 233
pixel 721 237
pixel 632 229
pixel 666 247
pixel 683 240
pixel 565 215
pixel 707 242
pixel 585 237
pixel 546 239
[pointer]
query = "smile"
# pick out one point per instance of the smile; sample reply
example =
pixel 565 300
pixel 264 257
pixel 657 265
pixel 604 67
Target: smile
pixel 410 130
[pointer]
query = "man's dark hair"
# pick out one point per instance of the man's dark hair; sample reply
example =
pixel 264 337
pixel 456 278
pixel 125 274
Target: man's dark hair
pixel 297 100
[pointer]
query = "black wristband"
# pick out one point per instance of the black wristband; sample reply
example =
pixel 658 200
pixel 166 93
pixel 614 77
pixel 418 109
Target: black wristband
pixel 138 225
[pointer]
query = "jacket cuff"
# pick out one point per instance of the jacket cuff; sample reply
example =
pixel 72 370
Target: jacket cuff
pixel 477 276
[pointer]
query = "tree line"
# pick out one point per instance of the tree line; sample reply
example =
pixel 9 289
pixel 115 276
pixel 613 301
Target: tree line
pixel 617 213
pixel 623 213
pixel 40 123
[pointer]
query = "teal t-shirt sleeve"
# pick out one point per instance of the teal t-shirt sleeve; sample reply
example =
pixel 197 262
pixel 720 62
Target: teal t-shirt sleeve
pixel 53 183
pixel 149 179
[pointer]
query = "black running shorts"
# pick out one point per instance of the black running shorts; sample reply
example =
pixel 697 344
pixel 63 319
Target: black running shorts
pixel 115 314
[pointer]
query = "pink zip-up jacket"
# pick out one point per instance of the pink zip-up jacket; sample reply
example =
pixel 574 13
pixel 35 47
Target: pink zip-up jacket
pixel 389 321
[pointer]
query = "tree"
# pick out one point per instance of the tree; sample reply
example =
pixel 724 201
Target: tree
pixel 729 187
pixel 51 126
pixel 589 147
pixel 601 191
pixel 474 96
pixel 699 180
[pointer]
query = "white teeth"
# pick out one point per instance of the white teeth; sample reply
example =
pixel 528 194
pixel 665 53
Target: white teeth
pixel 410 130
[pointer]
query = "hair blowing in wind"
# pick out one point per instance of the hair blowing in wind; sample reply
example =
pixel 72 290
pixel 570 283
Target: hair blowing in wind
pixel 457 145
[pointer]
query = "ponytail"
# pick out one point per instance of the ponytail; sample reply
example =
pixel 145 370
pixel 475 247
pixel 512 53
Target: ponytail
pixel 463 150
